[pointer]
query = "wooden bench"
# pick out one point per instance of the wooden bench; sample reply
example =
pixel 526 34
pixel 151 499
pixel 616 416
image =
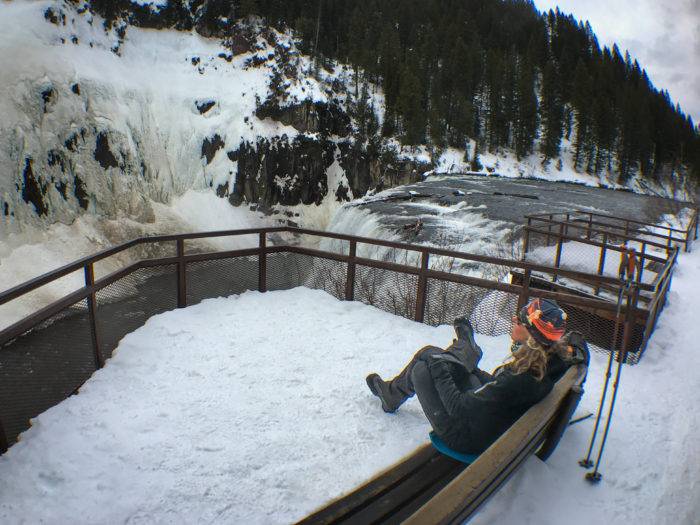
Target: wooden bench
pixel 427 487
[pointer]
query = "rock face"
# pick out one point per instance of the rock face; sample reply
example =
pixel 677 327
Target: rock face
pixel 309 117
pixel 243 115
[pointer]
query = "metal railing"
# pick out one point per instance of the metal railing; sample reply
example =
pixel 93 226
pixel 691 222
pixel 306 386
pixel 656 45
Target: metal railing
pixel 557 233
pixel 48 355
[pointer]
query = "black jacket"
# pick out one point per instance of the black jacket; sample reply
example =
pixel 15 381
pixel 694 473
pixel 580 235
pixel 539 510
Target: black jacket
pixel 481 415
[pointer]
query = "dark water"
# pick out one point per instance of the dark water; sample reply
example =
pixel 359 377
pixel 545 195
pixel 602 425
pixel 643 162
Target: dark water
pixel 507 200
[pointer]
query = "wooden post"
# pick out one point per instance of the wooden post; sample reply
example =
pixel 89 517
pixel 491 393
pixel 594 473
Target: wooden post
pixel 566 230
pixel 526 238
pixel 181 275
pixel 668 243
pixel 525 291
pixel 668 288
pixel 601 261
pixel 422 286
pixel 262 264
pixel 590 226
pixel 350 280
pixel 642 255
pixel 627 229
pixel 549 229
pixel 92 309
pixel 557 258
pixel 632 297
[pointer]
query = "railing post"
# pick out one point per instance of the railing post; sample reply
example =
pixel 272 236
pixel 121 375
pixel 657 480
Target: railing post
pixel 92 309
pixel 601 261
pixel 632 297
pixel 627 229
pixel 568 218
pixel 3 439
pixel 642 255
pixel 557 258
pixel 668 243
pixel 422 286
pixel 262 263
pixel 590 226
pixel 525 290
pixel 181 275
pixel 526 237
pixel 692 226
pixel 549 229
pixel 350 281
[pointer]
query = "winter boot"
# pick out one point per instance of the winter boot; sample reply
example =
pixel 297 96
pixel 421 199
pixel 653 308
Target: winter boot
pixel 464 348
pixel 391 397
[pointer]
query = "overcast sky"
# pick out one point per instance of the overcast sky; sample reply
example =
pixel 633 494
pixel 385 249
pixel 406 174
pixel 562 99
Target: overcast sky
pixel 664 36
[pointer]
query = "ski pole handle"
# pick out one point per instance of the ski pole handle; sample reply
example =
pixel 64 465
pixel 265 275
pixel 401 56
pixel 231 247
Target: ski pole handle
pixel 624 261
pixel 631 264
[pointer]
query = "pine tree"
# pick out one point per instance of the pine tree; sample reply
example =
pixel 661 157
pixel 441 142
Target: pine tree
pixel 526 121
pixel 552 112
pixel 410 107
pixel 582 95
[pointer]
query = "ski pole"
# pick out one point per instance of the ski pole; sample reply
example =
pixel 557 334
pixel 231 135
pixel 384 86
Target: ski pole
pixel 596 476
pixel 587 463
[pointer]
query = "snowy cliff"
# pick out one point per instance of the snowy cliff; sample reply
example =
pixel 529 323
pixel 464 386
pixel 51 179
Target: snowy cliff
pixel 103 117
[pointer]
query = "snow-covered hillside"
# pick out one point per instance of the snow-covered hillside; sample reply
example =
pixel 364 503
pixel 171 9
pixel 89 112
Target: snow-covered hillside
pixel 108 122
pixel 111 131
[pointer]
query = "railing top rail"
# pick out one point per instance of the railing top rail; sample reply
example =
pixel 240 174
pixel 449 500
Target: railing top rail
pixel 48 277
pixel 664 236
pixel 668 263
pixel 667 269
pixel 695 212
pixel 36 282
pixel 594 214
pixel 612 247
pixel 597 230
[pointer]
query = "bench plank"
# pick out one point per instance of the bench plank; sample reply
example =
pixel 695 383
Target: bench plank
pixel 426 487
pixel 476 483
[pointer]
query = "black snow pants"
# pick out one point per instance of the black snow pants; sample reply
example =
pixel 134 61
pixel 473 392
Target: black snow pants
pixel 415 378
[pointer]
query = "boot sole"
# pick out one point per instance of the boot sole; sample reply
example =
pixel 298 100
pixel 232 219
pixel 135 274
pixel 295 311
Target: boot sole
pixel 370 383
pixel 373 388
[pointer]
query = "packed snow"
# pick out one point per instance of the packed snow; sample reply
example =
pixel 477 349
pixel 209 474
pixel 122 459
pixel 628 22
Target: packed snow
pixel 217 413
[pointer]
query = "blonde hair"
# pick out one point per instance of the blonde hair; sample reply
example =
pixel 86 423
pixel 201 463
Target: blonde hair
pixel 532 357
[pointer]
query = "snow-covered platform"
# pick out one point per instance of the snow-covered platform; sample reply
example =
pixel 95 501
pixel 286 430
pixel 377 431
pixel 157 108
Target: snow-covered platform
pixel 253 409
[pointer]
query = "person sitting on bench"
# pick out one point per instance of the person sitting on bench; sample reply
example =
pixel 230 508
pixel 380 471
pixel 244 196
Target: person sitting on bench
pixel 469 408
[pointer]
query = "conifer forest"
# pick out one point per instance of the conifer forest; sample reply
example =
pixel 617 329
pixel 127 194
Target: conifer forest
pixel 499 73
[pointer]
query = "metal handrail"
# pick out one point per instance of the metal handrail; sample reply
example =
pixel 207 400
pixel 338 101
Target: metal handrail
pixel 79 264
pixel 594 214
pixel 627 237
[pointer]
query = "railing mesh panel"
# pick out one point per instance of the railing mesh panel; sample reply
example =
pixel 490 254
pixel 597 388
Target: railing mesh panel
pixel 489 311
pixel 43 366
pixel 388 290
pixel 328 275
pixel 126 304
pixel 221 278
pixel 286 270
